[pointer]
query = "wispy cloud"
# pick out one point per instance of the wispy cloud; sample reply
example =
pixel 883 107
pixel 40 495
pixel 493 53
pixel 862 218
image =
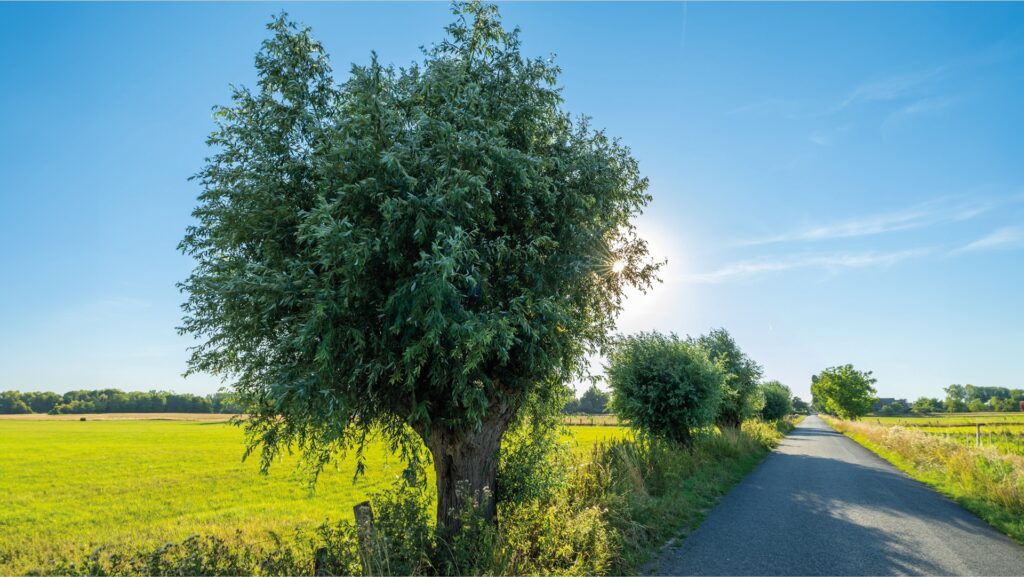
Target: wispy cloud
pixel 832 263
pixel 783 105
pixel 886 89
pixel 922 107
pixel 1006 237
pixel 927 214
pixel 827 137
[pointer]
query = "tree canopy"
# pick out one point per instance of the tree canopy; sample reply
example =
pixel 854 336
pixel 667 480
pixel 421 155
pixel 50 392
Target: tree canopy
pixel 593 401
pixel 421 249
pixel 739 398
pixel 115 401
pixel 664 386
pixel 777 400
pixel 843 391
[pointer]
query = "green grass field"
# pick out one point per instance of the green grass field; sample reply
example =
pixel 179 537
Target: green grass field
pixel 69 486
pixel 1004 431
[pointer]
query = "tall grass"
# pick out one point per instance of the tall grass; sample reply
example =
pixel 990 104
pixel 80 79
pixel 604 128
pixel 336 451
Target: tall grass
pixel 983 480
pixel 614 506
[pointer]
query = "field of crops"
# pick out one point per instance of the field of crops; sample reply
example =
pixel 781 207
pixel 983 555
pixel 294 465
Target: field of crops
pixel 1004 431
pixel 68 486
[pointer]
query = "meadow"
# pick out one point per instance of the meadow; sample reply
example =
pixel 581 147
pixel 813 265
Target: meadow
pixel 1001 431
pixel 68 486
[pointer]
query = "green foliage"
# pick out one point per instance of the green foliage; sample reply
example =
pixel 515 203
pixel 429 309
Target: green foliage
pixel 328 550
pixel 114 401
pixel 739 390
pixel 12 403
pixel 800 406
pixel 534 460
pixel 843 391
pixel 962 398
pixel 924 405
pixel 402 535
pixel 556 538
pixel 778 401
pixel 956 398
pixel 418 249
pixel 895 408
pixel 593 401
pixel 664 386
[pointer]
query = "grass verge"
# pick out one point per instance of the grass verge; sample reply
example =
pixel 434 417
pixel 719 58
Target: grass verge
pixel 664 510
pixel 982 480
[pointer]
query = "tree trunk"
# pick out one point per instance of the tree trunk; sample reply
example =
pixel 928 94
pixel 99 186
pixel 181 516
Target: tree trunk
pixel 466 468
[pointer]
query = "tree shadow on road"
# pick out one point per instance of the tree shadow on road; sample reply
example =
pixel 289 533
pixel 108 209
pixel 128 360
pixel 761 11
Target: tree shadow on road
pixel 800 514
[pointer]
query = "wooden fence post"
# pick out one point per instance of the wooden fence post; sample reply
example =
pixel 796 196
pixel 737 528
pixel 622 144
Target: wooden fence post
pixel 364 533
pixel 977 435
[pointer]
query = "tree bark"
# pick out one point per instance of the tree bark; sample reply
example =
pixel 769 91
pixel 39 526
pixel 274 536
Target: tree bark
pixel 466 467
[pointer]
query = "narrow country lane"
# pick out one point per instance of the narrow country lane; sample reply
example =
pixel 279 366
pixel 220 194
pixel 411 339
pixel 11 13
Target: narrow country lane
pixel 821 504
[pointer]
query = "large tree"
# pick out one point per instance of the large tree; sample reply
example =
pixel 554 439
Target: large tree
pixel 416 252
pixel 843 391
pixel 594 401
pixel 956 398
pixel 739 392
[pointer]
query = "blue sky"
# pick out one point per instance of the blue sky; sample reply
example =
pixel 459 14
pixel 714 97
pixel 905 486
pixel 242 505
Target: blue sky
pixel 832 183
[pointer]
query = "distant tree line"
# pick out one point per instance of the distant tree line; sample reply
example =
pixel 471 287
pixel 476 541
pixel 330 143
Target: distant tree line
pixel 115 401
pixel 958 399
pixel 593 401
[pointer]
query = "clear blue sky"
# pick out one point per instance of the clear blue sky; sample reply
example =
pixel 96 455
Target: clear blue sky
pixel 832 183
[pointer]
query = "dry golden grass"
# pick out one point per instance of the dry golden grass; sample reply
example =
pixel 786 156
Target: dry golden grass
pixel 984 480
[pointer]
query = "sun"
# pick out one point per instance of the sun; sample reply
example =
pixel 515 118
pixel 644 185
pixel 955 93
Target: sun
pixel 618 266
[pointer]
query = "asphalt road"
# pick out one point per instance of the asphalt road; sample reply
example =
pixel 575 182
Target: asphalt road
pixel 821 504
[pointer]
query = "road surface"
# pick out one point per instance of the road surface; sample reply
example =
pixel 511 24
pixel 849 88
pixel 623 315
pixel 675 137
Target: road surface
pixel 821 504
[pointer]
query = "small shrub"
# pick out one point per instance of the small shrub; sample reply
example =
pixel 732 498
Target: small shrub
pixel 664 386
pixel 778 400
pixel 403 531
pixel 533 462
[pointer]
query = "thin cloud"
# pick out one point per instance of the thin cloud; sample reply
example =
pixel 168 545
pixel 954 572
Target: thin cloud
pixel 921 107
pixel 927 214
pixel 820 138
pixel 832 263
pixel 770 104
pixel 827 137
pixel 891 88
pixel 1006 237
